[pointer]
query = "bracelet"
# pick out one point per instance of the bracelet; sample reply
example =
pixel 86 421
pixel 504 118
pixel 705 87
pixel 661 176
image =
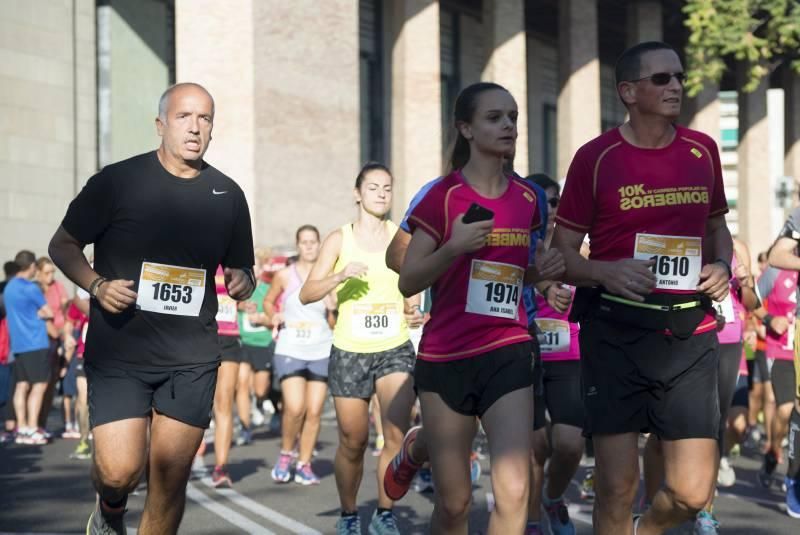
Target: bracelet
pixel 95 285
pixel 767 320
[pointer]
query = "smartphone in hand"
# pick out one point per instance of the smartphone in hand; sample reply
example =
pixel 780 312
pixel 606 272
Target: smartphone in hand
pixel 476 213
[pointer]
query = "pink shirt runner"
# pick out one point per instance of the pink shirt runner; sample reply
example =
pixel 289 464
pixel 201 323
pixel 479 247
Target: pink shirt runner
pixel 477 305
pixel 782 302
pixel 560 339
pixel 734 326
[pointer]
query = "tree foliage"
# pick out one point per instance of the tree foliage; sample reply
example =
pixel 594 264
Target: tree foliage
pixel 761 33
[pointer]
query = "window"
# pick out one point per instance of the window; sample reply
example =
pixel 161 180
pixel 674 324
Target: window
pixel 371 81
pixel 451 72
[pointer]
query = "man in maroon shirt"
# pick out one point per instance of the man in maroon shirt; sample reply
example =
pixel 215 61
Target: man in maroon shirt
pixel 649 194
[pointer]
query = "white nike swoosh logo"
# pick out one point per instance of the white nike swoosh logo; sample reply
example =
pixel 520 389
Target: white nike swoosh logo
pixel 215 192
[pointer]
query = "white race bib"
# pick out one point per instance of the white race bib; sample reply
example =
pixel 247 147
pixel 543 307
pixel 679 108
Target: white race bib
pixel 375 321
pixel 554 337
pixel 172 290
pixel 249 327
pixel 226 309
pixel 301 332
pixel 494 289
pixel 725 309
pixel 678 259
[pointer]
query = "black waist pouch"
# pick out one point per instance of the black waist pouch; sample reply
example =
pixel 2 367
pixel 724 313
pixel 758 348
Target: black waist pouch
pixel 681 322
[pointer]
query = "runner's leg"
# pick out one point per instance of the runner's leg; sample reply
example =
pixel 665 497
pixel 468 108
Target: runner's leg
pixel 616 480
pixel 223 410
pixel 507 424
pixel 352 416
pixel 120 450
pixel 294 410
pixel 395 395
pixel 172 448
pixel 316 392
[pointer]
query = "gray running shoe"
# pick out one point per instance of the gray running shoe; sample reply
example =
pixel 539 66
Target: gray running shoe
pixel 105 524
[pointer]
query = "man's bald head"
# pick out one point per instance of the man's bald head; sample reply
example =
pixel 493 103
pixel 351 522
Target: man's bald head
pixel 163 102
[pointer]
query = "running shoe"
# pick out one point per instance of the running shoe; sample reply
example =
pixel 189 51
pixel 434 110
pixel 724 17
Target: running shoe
pixel 383 524
pixel 792 497
pixel 38 438
pixel 401 471
pixel 245 437
pixel 705 524
pixel 424 480
pixel 7 437
pixel 220 477
pixel 304 475
pixel 587 486
pixel 199 469
pixel 104 523
pixel 22 436
pixel 380 442
pixel 726 477
pixel 767 469
pixel 533 528
pixel 71 431
pixel 82 451
pixel 348 525
pixel 558 515
pixel 282 471
pixel 474 468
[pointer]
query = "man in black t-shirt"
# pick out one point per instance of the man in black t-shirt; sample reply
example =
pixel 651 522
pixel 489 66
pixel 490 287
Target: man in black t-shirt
pixel 161 223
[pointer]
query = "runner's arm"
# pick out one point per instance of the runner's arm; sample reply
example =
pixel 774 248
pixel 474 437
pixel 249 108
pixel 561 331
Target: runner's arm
pixel 396 252
pixel 748 296
pixel 67 254
pixel 782 255
pixel 321 281
pixel 275 290
pixel 424 263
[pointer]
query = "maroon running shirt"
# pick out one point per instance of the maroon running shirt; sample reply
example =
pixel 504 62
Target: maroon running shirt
pixel 647 203
pixel 477 302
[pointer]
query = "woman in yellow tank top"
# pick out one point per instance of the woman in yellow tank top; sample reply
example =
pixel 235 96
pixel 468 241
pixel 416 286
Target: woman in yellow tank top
pixel 371 349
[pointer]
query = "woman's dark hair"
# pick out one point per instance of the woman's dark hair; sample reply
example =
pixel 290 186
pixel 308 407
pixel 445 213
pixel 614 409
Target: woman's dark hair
pixel 544 181
pixel 304 228
pixel 466 104
pixel 370 166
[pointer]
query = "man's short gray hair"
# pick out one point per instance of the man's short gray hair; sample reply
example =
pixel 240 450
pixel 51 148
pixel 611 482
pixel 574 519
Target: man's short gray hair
pixel 163 102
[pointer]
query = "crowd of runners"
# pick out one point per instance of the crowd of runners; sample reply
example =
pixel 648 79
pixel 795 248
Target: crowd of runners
pixel 558 319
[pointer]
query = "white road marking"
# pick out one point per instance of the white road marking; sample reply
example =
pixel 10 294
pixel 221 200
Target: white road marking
pixel 263 511
pixel 226 513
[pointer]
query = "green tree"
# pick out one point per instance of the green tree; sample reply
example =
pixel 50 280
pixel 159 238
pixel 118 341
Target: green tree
pixel 762 33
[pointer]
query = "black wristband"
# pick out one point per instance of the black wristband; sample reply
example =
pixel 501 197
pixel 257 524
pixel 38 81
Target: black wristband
pixel 94 286
pixel 767 320
pixel 727 266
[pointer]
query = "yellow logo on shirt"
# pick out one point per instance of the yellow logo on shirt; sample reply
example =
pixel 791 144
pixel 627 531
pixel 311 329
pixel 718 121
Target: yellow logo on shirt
pixel 635 196
pixel 509 237
pixel 696 152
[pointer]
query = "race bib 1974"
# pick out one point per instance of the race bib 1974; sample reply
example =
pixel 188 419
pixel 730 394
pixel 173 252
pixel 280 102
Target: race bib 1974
pixel 494 289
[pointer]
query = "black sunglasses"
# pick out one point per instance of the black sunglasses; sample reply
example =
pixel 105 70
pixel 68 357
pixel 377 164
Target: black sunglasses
pixel 663 78
pixel 553 202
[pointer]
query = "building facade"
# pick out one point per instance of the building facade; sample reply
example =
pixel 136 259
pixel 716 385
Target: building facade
pixel 306 91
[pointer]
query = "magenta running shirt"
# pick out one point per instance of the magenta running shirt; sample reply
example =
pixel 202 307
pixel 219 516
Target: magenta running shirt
pixel 478 305
pixel 559 338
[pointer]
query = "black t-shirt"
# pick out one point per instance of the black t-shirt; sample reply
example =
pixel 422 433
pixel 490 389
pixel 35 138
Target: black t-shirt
pixel 136 211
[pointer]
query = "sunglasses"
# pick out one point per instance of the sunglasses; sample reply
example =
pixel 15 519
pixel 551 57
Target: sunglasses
pixel 553 202
pixel 663 78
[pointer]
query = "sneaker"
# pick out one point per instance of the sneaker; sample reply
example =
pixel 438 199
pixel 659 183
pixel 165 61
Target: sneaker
pixel 401 471
pixel 726 477
pixel 220 477
pixel 7 437
pixel 587 486
pixel 82 451
pixel 792 497
pixel 282 471
pixel 380 442
pixel 424 480
pixel 38 438
pixel 705 524
pixel 474 468
pixel 304 475
pixel 256 417
pixel 383 524
pixel 245 437
pixel 348 525
pixel 533 528
pixel 558 515
pixel 48 436
pixel 22 436
pixel 767 469
pixel 101 523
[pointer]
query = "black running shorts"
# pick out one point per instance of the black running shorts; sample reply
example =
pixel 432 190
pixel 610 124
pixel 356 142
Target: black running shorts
pixel 33 366
pixel 640 380
pixel 230 349
pixel 560 396
pixel 259 357
pixel 185 394
pixel 783 381
pixel 471 386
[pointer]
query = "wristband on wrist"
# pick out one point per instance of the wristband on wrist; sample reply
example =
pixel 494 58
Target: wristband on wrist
pixel 767 320
pixel 95 285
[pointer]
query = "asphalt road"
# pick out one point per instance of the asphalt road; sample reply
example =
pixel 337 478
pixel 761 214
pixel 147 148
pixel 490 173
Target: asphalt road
pixel 42 490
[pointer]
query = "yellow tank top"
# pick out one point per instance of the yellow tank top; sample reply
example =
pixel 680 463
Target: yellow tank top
pixel 370 307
